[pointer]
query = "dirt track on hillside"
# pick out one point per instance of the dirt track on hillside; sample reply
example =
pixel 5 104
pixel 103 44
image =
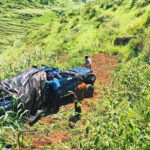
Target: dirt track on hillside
pixel 101 65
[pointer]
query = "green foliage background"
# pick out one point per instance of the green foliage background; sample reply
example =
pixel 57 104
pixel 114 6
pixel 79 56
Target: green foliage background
pixel 121 118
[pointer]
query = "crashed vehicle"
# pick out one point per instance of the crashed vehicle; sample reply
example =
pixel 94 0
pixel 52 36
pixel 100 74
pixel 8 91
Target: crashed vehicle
pixel 88 78
pixel 27 88
pixel 86 74
pixel 30 87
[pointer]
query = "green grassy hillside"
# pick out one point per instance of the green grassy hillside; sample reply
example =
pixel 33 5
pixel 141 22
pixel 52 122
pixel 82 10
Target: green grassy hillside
pixel 86 30
pixel 15 24
pixel 19 17
pixel 123 113
pixel 35 3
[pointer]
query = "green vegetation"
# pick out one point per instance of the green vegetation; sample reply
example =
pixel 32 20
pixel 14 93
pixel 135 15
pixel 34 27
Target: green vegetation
pixel 121 118
pixel 17 18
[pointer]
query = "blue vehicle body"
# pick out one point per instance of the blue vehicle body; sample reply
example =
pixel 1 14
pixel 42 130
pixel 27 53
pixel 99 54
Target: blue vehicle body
pixel 86 74
pixel 81 70
pixel 5 104
pixel 50 70
pixel 5 100
pixel 68 80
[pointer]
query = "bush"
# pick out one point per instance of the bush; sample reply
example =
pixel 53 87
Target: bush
pixel 75 22
pixel 133 2
pixel 63 20
pixel 111 3
pixel 142 3
pixel 104 18
pixel 93 13
pixel 115 8
pixel 136 47
pixel 147 23
pixel 87 11
pixel 140 13
pixel 71 14
pixel 137 28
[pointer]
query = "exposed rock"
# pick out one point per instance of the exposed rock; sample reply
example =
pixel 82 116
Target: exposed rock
pixel 123 40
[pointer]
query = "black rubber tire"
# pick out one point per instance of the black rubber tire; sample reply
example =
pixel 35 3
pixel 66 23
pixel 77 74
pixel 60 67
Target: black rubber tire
pixel 89 91
pixel 90 79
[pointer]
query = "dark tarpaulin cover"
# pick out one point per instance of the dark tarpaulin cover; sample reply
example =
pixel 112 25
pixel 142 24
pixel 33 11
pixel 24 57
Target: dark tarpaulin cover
pixel 28 88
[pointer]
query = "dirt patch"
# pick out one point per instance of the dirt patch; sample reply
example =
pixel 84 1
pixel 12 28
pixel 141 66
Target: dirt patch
pixel 51 139
pixel 101 65
pixel 70 105
pixel 47 120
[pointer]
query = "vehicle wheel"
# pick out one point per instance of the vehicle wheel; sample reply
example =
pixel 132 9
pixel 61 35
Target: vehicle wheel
pixel 89 91
pixel 90 79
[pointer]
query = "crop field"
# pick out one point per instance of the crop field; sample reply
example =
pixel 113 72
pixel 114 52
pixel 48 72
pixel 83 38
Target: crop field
pixel 15 24
pixel 116 35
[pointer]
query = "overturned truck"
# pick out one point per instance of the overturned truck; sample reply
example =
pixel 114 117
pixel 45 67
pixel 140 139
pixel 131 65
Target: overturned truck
pixel 30 88
pixel 27 88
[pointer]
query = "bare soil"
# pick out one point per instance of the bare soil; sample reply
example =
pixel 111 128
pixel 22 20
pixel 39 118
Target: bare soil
pixel 51 139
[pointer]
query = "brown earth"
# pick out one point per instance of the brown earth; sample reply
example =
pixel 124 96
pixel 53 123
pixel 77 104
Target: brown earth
pixel 51 139
pixel 102 64
pixel 47 120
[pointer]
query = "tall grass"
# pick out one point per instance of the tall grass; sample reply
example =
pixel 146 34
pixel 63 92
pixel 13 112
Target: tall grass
pixel 11 126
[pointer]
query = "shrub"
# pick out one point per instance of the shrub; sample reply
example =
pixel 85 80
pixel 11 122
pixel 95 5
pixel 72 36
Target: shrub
pixel 111 3
pixel 115 8
pixel 140 13
pixel 133 2
pixel 147 23
pixel 71 14
pixel 75 22
pixel 93 13
pixel 104 18
pixel 142 3
pixel 63 20
pixel 136 47
pixel 60 29
pixel 87 11
pixel 137 28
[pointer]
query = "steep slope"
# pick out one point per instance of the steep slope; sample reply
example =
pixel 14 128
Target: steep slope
pixel 120 119
pixel 37 3
pixel 19 17
pixel 86 30
pixel 58 134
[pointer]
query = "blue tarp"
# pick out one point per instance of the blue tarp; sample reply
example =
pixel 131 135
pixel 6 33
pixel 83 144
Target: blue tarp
pixel 50 70
pixel 81 70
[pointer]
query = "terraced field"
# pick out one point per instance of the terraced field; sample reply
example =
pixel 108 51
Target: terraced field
pixel 14 24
